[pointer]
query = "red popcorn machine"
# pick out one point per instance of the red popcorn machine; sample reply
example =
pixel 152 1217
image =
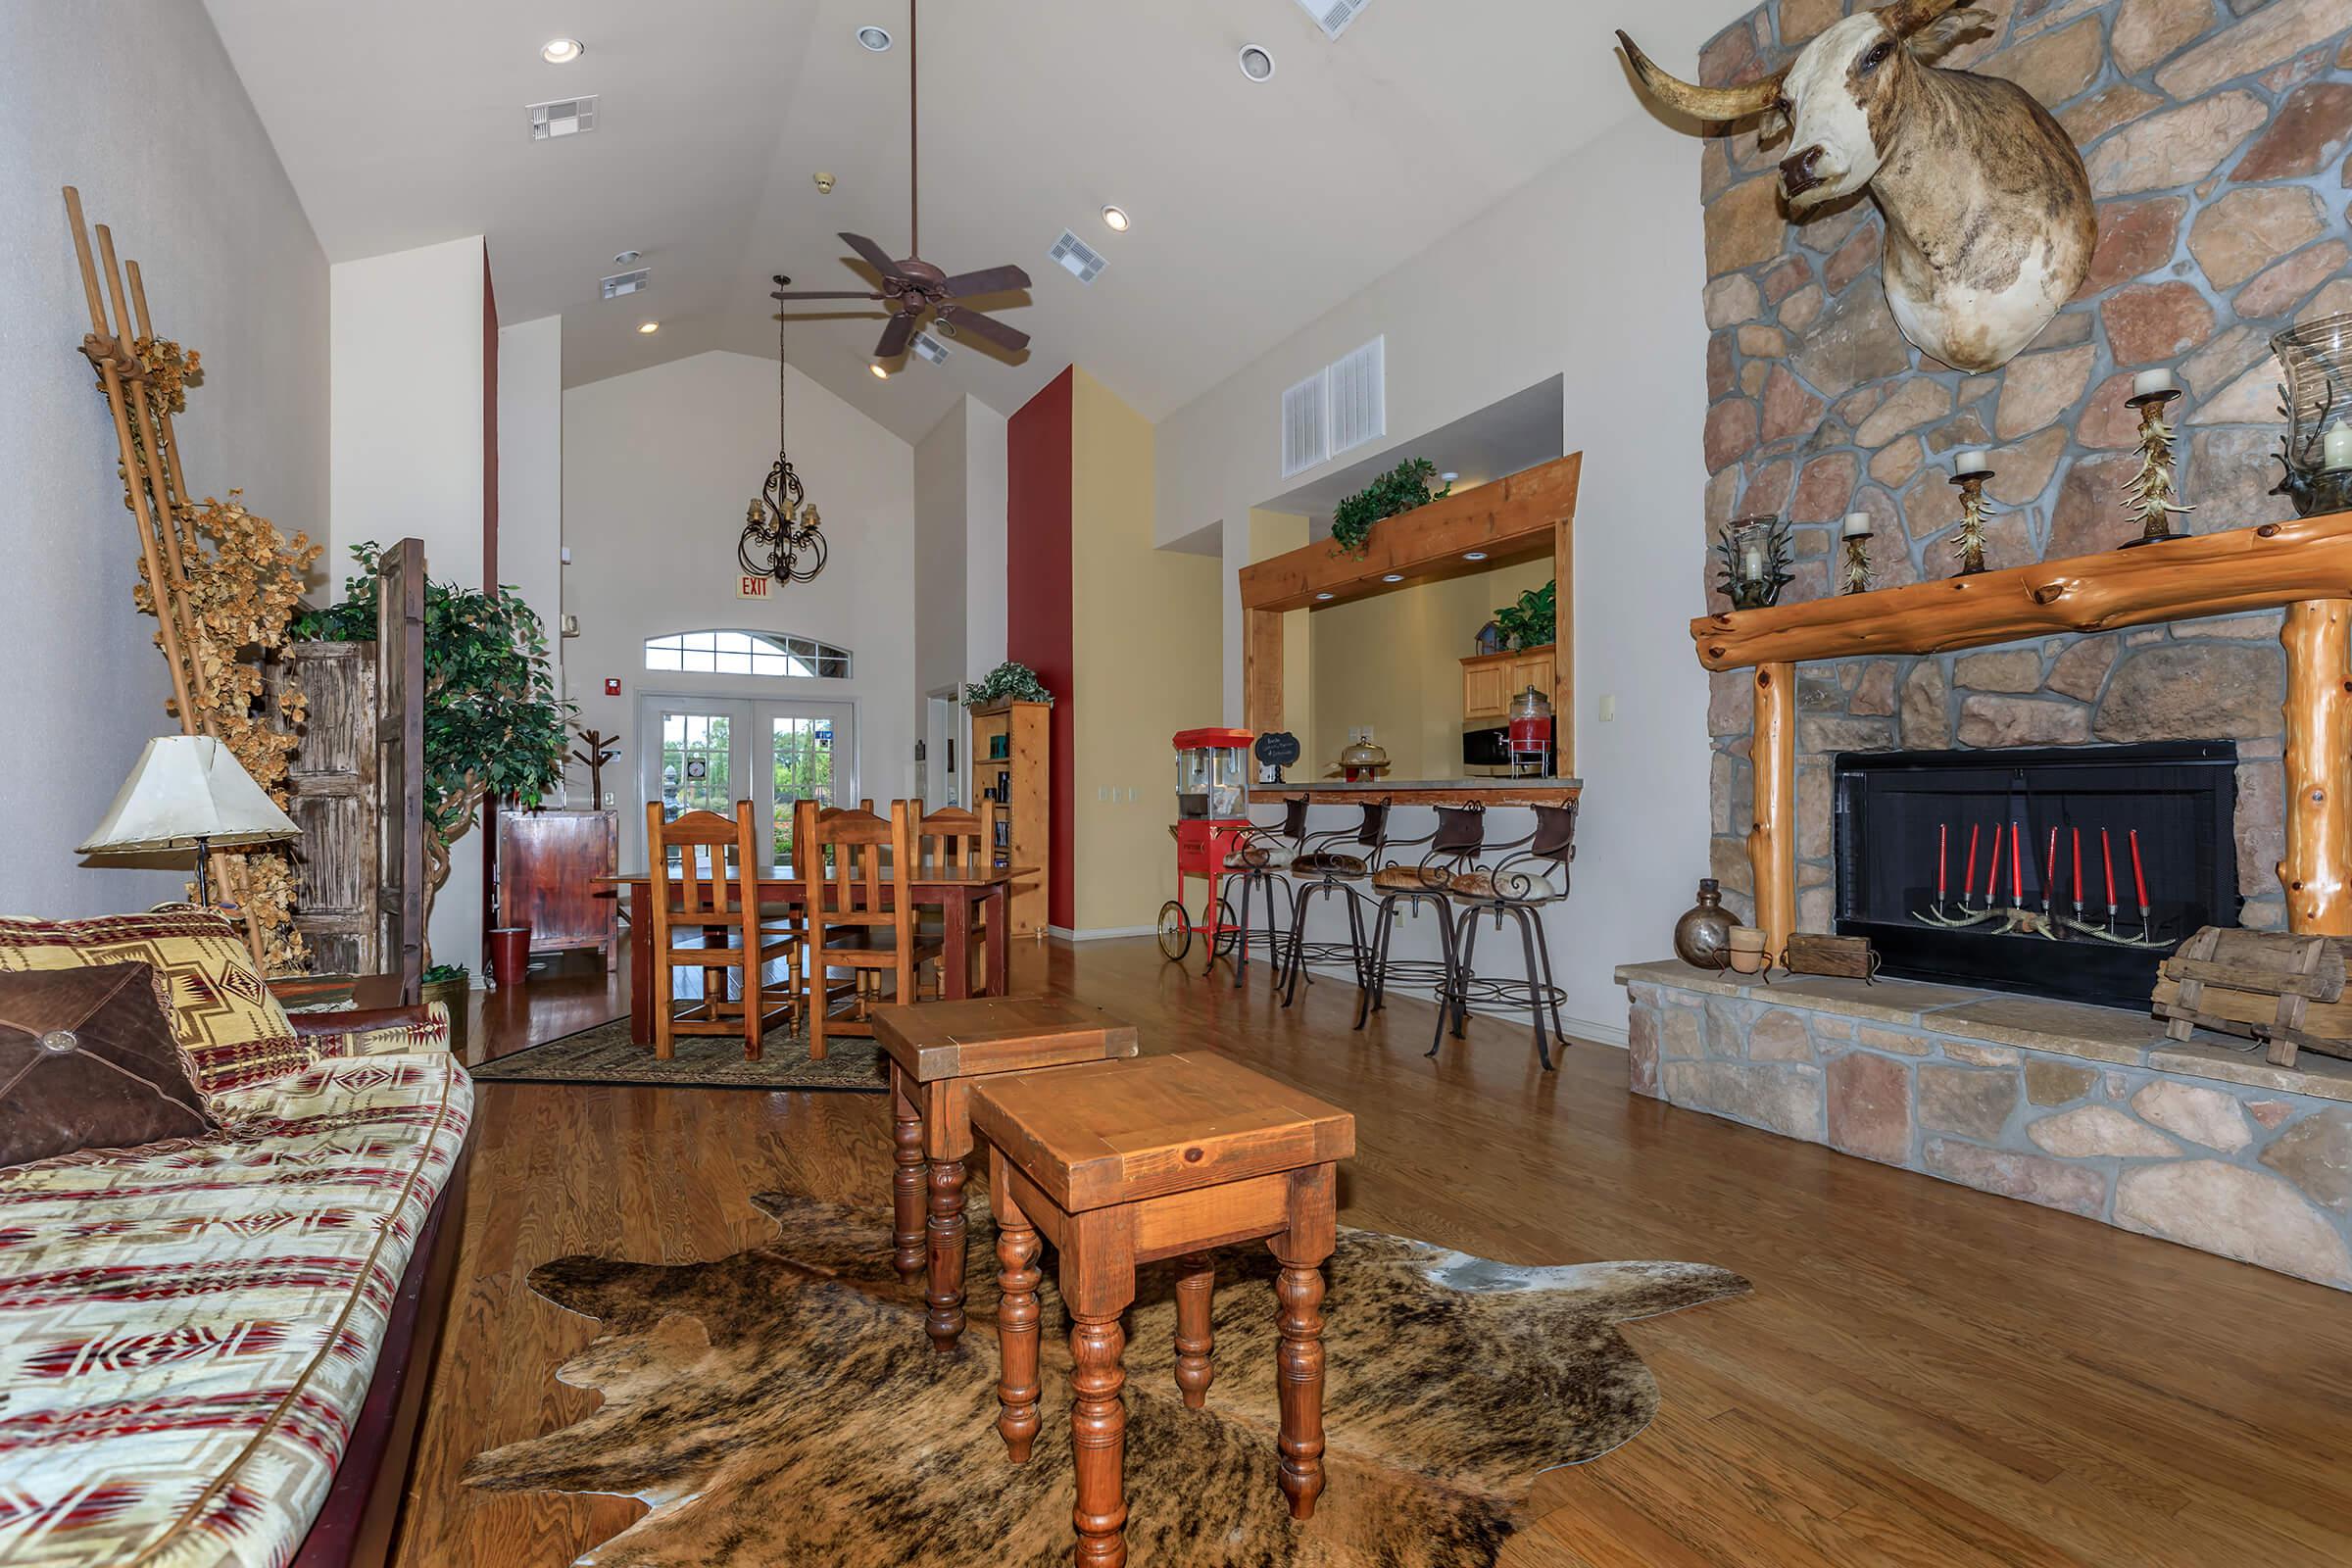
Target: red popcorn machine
pixel 1212 818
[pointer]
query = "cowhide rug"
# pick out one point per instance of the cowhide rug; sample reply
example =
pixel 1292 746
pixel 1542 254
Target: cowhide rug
pixel 782 1407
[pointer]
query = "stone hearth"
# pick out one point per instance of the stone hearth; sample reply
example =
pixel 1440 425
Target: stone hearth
pixel 2089 1109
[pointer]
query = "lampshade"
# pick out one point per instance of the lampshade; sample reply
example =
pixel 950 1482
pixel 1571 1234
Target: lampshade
pixel 184 788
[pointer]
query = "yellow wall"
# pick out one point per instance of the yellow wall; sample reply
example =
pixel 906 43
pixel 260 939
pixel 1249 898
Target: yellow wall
pixel 1145 627
pixel 1393 662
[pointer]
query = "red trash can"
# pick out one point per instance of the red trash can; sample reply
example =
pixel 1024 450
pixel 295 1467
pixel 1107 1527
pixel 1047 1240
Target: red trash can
pixel 510 954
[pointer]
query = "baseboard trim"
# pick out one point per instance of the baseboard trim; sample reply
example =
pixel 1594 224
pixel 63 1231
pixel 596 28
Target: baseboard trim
pixel 1599 1030
pixel 1066 933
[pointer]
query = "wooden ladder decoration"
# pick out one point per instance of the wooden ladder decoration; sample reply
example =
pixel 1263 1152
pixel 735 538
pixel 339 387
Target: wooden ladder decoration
pixel 157 490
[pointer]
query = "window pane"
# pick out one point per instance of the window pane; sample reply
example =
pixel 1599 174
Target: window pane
pixel 747 653
pixel 661 658
pixel 732 662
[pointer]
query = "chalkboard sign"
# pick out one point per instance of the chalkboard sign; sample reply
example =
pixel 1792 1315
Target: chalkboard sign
pixel 1276 750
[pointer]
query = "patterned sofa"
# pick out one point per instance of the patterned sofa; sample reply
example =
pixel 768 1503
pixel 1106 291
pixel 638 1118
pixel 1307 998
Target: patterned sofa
pixel 190 1332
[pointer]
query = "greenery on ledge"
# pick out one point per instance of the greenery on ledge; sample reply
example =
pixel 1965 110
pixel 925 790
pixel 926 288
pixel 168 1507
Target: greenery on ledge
pixel 1010 681
pixel 1400 489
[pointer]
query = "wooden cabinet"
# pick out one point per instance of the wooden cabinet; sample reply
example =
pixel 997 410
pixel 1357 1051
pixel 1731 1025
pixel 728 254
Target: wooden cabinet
pixel 1011 764
pixel 548 862
pixel 1491 681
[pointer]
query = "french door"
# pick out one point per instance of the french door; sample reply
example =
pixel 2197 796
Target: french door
pixel 715 751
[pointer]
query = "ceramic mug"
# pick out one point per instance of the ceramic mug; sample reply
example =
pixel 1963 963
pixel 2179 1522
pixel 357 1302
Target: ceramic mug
pixel 1747 951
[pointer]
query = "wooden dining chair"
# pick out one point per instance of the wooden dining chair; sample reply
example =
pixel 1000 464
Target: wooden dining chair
pixel 861 914
pixel 705 881
pixel 954 842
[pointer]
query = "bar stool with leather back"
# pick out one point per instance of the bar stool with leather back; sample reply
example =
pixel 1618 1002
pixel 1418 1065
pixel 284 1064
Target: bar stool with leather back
pixel 1119 1163
pixel 861 920
pixel 1322 869
pixel 1449 851
pixel 703 892
pixel 955 842
pixel 1261 862
pixel 1518 886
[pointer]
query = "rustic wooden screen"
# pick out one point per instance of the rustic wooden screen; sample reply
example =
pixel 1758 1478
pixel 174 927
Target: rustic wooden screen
pixel 400 762
pixel 333 797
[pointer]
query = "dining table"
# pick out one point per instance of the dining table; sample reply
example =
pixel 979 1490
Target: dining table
pixel 956 892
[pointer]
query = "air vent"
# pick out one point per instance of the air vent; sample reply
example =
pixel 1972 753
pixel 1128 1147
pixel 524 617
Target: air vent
pixel 565 116
pixel 1077 258
pixel 1333 16
pixel 620 286
pixel 1305 439
pixel 1357 397
pixel 930 348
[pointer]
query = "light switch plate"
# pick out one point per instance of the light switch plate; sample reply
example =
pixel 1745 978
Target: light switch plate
pixel 1609 709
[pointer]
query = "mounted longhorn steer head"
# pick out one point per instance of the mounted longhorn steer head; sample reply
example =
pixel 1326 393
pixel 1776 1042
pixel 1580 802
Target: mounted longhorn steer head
pixel 1989 219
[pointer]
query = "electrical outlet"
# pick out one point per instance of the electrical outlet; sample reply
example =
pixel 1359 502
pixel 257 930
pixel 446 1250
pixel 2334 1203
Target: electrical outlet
pixel 1609 709
pixel 610 800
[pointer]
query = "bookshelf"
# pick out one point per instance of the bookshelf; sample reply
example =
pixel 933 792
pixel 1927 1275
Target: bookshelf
pixel 1011 764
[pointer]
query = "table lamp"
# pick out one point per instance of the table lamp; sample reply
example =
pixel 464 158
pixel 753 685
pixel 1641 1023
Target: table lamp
pixel 189 791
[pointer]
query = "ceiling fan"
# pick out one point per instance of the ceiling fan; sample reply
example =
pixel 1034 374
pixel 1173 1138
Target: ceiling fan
pixel 912 287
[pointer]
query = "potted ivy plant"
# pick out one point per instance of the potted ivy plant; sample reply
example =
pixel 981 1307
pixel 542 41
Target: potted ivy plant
pixel 1011 681
pixel 1531 620
pixel 1400 489
pixel 493 723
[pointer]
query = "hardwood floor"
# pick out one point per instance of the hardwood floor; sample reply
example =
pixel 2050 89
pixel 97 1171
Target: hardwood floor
pixel 1924 1374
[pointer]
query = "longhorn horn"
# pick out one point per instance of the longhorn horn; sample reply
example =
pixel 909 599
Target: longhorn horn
pixel 1906 17
pixel 1708 103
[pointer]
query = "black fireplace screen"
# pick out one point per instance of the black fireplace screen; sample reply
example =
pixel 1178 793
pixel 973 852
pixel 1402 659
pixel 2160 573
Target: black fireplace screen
pixel 2065 872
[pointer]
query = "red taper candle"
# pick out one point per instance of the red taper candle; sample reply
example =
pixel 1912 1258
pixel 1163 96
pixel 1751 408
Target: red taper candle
pixel 1993 873
pixel 1968 883
pixel 2107 856
pixel 2049 884
pixel 2077 868
pixel 2139 881
pixel 1942 859
pixel 2017 868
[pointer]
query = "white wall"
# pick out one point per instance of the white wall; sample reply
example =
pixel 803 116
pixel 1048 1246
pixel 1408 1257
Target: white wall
pixel 167 151
pixel 1612 238
pixel 986 458
pixel 941 535
pixel 408 460
pixel 657 467
pixel 531 470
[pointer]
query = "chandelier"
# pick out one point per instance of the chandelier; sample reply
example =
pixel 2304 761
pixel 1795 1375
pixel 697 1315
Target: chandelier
pixel 780 528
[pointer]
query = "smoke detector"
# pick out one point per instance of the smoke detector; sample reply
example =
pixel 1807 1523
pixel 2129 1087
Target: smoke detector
pixel 825 183
pixel 1077 258
pixel 620 286
pixel 1333 16
pixel 563 117
pixel 930 348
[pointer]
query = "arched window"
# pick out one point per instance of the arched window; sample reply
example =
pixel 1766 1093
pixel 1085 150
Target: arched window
pixel 747 653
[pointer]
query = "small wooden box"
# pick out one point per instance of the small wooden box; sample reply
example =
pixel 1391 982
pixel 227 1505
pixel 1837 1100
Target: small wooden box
pixel 1846 958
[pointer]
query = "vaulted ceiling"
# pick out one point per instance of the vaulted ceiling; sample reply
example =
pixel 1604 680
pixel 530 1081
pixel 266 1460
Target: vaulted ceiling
pixel 1256 207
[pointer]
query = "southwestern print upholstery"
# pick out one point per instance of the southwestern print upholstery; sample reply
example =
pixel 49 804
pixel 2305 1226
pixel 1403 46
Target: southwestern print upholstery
pixel 88 1060
pixel 187 1331
pixel 233 1030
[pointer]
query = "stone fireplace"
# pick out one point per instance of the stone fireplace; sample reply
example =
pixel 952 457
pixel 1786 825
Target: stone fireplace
pixel 2056 871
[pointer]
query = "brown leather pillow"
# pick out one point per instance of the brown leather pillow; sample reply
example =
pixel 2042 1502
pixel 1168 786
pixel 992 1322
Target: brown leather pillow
pixel 88 1060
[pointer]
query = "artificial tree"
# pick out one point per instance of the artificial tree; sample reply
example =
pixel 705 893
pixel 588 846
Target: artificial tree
pixel 494 726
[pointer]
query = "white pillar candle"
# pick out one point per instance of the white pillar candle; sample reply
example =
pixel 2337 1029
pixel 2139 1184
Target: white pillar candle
pixel 2335 448
pixel 1857 525
pixel 2147 384
pixel 1753 558
pixel 1971 461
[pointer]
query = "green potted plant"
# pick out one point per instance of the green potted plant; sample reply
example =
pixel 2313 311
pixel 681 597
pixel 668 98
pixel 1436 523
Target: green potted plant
pixel 493 723
pixel 450 985
pixel 1531 620
pixel 1010 681
pixel 1400 489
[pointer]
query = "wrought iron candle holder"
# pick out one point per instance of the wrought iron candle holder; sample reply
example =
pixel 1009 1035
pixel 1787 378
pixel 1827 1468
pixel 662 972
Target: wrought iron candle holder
pixel 1855 573
pixel 2316 449
pixel 1968 545
pixel 2150 493
pixel 1755 554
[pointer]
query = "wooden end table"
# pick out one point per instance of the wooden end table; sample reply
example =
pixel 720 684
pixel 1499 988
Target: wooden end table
pixel 1125 1163
pixel 937 1049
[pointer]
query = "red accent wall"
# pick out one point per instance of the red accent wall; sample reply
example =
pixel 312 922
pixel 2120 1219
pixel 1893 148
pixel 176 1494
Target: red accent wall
pixel 1037 602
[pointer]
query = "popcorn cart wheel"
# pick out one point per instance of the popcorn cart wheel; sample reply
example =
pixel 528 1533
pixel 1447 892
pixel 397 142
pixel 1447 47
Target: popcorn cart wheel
pixel 1212 823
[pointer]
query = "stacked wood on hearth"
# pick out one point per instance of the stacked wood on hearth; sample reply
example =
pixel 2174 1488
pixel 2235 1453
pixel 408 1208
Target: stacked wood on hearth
pixel 2284 990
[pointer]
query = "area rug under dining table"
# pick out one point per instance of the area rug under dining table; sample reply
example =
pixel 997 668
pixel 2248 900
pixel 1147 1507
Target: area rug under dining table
pixel 607 1054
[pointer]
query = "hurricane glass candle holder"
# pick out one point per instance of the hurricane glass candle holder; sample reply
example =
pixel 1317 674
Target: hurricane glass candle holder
pixel 1756 560
pixel 2316 449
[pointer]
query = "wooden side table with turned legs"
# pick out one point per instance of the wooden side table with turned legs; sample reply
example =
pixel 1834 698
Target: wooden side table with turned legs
pixel 1125 1163
pixel 937 1051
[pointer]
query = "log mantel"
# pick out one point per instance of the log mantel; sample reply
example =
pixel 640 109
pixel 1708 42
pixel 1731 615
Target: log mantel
pixel 2226 573
pixel 2303 567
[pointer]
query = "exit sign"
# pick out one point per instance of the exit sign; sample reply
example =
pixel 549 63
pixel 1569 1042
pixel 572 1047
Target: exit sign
pixel 748 586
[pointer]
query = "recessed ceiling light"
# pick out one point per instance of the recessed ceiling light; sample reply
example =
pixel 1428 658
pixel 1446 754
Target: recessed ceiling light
pixel 1116 217
pixel 1256 63
pixel 1449 477
pixel 627 257
pixel 1474 554
pixel 1323 595
pixel 561 51
pixel 648 328
pixel 881 371
pixel 875 38
pixel 1392 577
